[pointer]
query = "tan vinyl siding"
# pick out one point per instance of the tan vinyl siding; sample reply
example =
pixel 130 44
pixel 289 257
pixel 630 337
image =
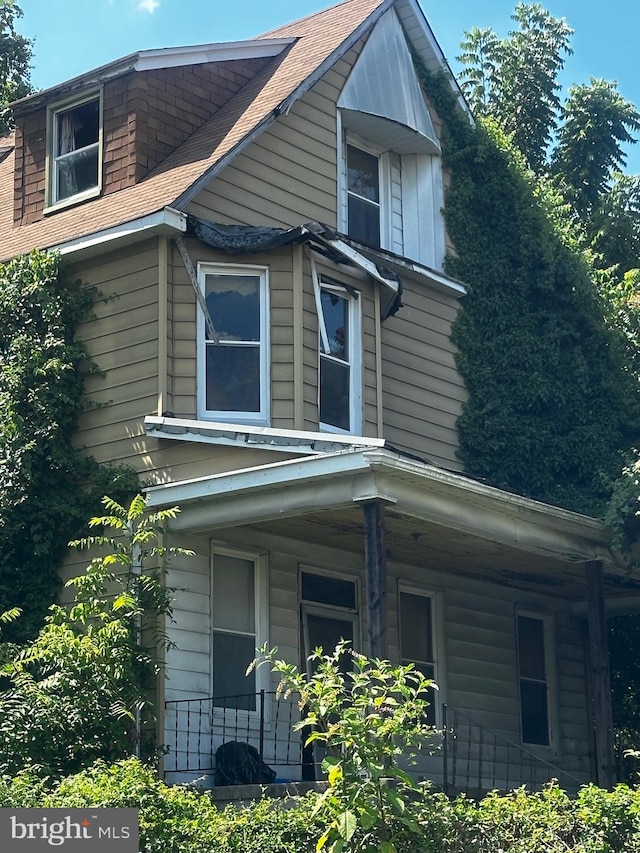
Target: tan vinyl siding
pixel 122 339
pixel 422 390
pixel 288 175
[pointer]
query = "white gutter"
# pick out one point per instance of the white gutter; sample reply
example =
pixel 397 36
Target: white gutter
pixel 262 438
pixel 165 221
pixel 330 481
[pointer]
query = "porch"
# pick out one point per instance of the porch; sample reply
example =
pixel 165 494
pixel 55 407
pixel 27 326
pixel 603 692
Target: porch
pixel 499 599
pixel 462 757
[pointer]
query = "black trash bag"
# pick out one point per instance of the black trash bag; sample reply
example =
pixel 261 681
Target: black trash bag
pixel 241 764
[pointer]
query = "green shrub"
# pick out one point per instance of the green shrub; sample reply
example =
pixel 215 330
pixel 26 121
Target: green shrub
pixel 182 820
pixel 80 690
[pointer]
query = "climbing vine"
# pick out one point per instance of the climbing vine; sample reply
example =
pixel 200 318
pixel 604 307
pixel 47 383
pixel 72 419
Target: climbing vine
pixel 47 488
pixel 550 405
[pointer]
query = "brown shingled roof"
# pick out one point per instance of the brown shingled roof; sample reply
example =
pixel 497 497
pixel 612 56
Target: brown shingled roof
pixel 322 37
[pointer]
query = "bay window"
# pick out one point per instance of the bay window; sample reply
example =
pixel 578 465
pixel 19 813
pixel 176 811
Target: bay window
pixel 340 356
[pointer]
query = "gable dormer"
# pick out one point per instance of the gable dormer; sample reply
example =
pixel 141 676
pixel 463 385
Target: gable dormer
pixel 107 130
pixel 390 173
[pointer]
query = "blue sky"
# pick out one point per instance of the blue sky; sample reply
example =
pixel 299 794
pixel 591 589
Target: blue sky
pixel 72 36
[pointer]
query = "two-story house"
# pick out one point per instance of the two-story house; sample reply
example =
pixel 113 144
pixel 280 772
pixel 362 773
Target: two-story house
pixel 266 218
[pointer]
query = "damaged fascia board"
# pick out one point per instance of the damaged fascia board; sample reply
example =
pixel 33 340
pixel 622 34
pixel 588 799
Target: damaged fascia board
pixel 264 438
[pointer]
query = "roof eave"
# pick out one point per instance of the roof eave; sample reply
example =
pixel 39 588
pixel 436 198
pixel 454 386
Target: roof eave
pixel 340 479
pixel 200 183
pixel 166 221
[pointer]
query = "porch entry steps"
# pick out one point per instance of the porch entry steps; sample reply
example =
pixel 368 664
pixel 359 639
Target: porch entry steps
pixel 476 760
pixel 463 757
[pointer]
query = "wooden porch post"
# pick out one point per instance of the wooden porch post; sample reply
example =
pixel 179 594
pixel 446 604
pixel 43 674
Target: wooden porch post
pixel 599 673
pixel 376 573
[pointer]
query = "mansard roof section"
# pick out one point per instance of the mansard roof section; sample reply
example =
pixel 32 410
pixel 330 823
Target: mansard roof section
pixel 146 60
pixel 382 98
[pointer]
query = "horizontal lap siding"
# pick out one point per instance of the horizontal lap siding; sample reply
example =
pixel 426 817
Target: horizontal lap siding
pixel 478 634
pixel 122 340
pixel 422 390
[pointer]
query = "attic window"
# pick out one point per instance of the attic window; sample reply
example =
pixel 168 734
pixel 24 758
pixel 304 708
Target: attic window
pixel 74 151
pixel 363 194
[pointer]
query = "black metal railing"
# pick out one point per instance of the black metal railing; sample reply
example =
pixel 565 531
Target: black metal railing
pixel 476 759
pixel 464 757
pixel 196 728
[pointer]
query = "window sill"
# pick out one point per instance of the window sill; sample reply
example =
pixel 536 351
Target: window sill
pixel 264 438
pixel 94 192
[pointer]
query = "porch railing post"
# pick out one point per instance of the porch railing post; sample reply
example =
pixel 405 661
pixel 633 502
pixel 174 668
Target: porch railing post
pixel 261 723
pixel 445 750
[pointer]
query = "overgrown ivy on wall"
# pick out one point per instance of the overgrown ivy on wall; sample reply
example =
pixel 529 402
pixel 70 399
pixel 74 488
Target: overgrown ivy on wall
pixel 48 489
pixel 550 406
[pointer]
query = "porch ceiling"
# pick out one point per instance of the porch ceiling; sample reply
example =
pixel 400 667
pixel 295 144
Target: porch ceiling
pixel 416 541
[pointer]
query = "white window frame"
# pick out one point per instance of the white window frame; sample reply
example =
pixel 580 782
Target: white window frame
pixel 261 624
pixel 262 417
pixel 384 184
pixel 421 200
pixel 437 628
pixel 354 349
pixel 549 639
pixel 317 608
pixel 53 203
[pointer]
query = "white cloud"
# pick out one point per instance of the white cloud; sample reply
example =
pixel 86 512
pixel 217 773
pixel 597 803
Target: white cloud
pixel 149 6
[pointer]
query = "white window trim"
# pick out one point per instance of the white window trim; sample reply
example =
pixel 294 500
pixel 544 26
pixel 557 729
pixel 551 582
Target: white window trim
pixel 437 615
pixel 261 418
pixel 384 183
pixel 354 349
pixel 421 202
pixel 549 638
pixel 261 617
pixel 52 203
pixel 308 606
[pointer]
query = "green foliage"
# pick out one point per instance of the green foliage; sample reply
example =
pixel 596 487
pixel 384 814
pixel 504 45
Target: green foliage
pixel 366 713
pixel 181 820
pixel 15 62
pixel 597 120
pixel 80 690
pixel 551 406
pixel 47 488
pixel 515 79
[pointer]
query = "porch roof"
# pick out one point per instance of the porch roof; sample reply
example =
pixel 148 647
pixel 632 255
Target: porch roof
pixel 432 517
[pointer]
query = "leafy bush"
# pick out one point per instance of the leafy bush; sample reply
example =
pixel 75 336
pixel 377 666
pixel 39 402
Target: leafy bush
pixel 79 691
pixel 182 820
pixel 366 713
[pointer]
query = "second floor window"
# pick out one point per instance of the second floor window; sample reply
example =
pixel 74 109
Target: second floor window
pixel 233 371
pixel 363 196
pixel 339 385
pixel 75 151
